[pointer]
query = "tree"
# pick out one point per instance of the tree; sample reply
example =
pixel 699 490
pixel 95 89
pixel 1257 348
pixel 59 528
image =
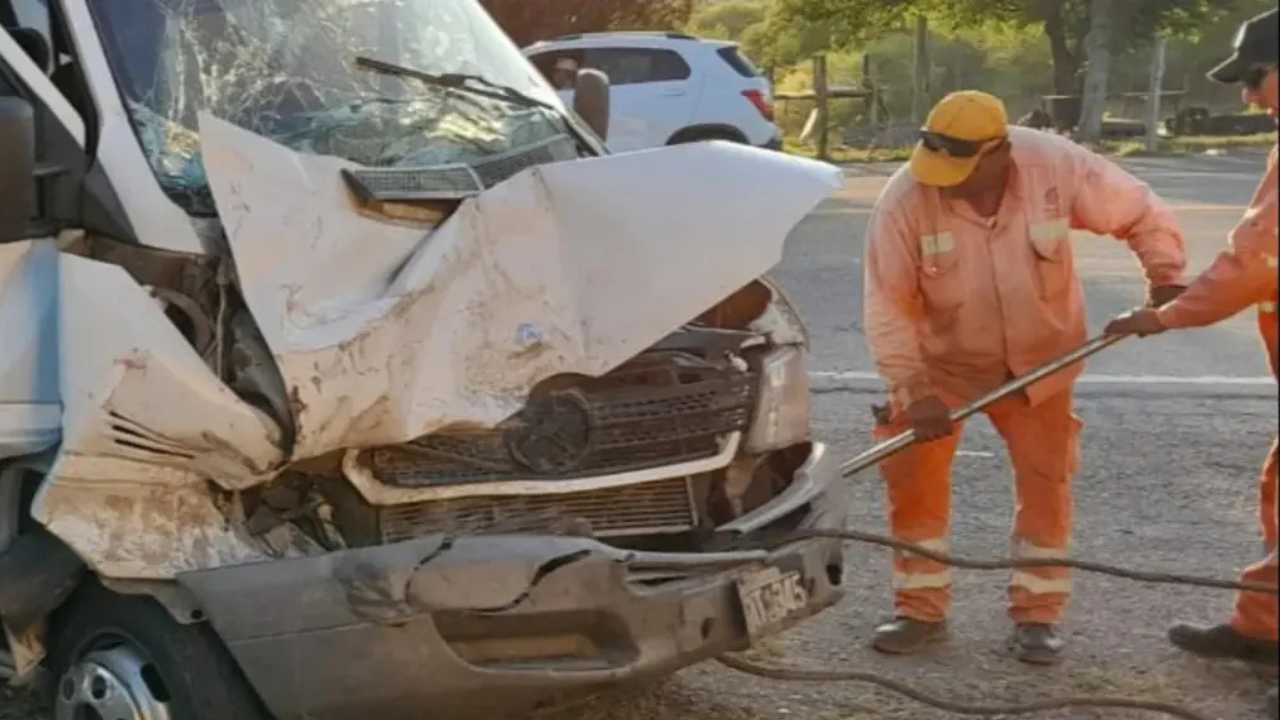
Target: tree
pixel 1100 41
pixel 729 20
pixel 528 21
pixel 783 40
pixel 1065 23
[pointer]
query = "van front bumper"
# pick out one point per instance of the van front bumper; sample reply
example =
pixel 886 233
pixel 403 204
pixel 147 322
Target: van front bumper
pixel 489 626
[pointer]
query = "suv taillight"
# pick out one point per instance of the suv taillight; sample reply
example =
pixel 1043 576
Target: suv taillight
pixel 761 102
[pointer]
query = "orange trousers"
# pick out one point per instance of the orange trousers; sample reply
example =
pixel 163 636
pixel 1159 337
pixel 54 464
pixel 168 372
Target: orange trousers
pixel 1256 613
pixel 1043 442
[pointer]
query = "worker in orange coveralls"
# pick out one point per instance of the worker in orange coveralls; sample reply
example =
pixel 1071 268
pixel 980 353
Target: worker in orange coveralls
pixel 971 280
pixel 1244 275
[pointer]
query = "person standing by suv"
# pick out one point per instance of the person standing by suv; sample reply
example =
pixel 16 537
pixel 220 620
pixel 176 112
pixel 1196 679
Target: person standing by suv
pixel 564 76
pixel 1243 275
pixel 970 280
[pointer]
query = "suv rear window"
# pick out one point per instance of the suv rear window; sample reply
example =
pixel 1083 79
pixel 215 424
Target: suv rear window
pixel 739 63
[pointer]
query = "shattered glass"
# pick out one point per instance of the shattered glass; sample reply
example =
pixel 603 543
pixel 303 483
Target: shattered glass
pixel 285 69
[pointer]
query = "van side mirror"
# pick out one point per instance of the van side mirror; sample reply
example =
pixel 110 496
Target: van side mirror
pixel 17 168
pixel 591 100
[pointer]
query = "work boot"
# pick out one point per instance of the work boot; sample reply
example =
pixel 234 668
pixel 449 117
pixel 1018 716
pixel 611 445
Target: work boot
pixel 1273 705
pixel 905 636
pixel 1037 644
pixel 1222 641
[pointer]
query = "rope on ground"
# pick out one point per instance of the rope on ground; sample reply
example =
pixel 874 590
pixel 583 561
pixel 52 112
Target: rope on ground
pixel 1022 563
pixel 822 675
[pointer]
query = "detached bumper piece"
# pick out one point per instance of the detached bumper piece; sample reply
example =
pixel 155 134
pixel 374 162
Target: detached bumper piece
pixel 482 627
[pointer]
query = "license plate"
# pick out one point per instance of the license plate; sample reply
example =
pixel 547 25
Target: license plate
pixel 769 598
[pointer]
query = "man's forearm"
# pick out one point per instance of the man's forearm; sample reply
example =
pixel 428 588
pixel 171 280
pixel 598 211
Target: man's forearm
pixel 895 346
pixel 1111 201
pixel 1224 289
pixel 1162 256
pixel 906 390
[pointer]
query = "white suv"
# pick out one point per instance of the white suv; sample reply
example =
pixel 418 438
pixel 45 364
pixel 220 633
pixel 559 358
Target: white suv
pixel 669 88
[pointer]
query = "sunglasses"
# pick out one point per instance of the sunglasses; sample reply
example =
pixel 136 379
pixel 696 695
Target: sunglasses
pixel 955 147
pixel 1255 76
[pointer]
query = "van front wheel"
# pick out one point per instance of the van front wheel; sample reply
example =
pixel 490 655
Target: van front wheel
pixel 123 657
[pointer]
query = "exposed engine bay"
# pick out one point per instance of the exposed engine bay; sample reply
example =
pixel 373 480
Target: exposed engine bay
pixel 691 399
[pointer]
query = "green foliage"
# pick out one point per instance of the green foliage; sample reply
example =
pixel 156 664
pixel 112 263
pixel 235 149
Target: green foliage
pixel 782 40
pixel 855 21
pixel 728 20
pixel 527 21
pixel 1061 24
pixel 769 36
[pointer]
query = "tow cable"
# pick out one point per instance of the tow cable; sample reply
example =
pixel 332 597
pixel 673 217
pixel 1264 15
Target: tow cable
pixel 900 442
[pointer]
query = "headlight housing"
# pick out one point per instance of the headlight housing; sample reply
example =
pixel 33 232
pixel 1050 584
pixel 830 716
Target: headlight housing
pixel 782 413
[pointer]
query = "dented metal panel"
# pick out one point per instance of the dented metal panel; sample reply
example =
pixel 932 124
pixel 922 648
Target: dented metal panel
pixel 384 332
pixel 148 432
pixel 540 275
pixel 134 389
pixel 498 624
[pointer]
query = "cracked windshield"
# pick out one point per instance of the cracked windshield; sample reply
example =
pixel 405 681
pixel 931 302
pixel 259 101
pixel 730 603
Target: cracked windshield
pixel 286 69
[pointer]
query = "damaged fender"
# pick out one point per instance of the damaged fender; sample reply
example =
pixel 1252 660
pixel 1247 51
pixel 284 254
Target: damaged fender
pixel 146 427
pixel 384 334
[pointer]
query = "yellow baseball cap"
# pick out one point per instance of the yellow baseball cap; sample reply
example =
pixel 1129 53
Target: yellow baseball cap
pixel 967 115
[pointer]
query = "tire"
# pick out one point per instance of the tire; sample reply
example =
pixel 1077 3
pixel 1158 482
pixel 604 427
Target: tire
pixel 706 137
pixel 123 657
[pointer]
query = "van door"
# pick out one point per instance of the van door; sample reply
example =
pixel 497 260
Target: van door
pixel 30 408
pixel 653 94
pixel 30 412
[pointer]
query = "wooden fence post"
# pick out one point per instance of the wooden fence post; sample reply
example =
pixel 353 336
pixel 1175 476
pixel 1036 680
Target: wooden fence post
pixel 1154 92
pixel 920 74
pixel 822 114
pixel 869 84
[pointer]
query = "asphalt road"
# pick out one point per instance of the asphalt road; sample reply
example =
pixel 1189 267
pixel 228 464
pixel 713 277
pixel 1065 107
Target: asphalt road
pixel 1176 429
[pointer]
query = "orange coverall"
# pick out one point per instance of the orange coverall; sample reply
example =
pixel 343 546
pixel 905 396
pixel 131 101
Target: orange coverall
pixel 1245 274
pixel 956 305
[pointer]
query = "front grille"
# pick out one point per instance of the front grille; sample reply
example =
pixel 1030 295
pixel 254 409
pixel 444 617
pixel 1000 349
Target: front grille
pixel 663 506
pixel 679 413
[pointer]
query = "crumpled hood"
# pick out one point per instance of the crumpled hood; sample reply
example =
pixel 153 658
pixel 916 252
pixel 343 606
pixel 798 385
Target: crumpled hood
pixel 384 333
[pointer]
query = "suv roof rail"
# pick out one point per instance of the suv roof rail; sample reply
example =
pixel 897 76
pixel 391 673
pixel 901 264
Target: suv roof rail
pixel 670 35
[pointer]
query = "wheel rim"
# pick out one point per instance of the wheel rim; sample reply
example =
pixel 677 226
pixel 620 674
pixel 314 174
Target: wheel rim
pixel 112 683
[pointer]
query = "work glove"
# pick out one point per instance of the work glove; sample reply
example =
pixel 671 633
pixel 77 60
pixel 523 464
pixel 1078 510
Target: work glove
pixel 1163 294
pixel 1140 322
pixel 930 418
pixel 883 414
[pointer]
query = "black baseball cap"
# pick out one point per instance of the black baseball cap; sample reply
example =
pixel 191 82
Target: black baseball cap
pixel 1255 45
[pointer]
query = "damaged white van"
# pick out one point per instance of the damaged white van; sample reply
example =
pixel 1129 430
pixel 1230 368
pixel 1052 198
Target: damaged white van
pixel 343 374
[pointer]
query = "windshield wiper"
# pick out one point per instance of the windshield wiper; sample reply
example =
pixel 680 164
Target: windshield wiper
pixel 454 81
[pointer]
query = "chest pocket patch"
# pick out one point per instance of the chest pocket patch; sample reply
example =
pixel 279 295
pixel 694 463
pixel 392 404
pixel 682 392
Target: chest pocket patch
pixel 1049 235
pixel 937 244
pixel 1053 268
pixel 941 283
